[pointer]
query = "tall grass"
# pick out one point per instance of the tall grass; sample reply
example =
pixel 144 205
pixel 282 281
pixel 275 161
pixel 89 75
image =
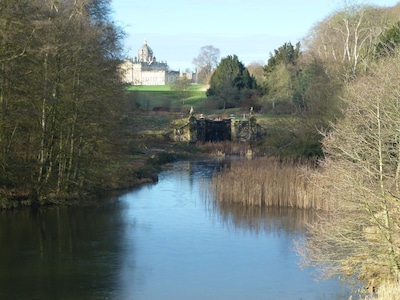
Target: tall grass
pixel 388 291
pixel 269 182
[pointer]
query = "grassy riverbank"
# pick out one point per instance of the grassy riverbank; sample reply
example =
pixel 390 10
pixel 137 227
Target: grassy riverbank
pixel 134 156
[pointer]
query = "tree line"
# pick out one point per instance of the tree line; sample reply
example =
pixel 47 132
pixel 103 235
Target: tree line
pixel 59 96
pixel 340 89
pixel 304 80
pixel 360 237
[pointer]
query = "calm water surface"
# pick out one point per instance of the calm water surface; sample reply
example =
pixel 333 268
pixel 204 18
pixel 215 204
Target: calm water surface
pixel 161 241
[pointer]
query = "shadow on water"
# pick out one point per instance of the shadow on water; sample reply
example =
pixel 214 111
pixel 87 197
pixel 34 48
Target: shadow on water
pixel 60 253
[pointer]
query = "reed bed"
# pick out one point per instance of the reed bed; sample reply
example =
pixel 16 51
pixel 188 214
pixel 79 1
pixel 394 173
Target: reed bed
pixel 387 291
pixel 270 182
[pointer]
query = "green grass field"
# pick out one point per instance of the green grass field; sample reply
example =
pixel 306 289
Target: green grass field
pixel 162 88
pixel 163 97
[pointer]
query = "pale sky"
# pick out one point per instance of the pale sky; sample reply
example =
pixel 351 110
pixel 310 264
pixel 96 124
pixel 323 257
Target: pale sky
pixel 176 30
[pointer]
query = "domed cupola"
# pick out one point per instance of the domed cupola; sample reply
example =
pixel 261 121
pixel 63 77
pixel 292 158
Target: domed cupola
pixel 145 54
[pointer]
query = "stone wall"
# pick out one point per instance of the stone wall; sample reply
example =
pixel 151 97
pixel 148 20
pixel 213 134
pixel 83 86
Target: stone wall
pixel 205 130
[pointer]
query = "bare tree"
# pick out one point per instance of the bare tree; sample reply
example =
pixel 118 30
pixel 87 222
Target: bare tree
pixel 346 39
pixel 15 36
pixel 206 62
pixel 360 237
pixel 59 86
pixel 256 70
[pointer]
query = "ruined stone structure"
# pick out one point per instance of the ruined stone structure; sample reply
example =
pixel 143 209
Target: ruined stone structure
pixel 146 70
pixel 205 130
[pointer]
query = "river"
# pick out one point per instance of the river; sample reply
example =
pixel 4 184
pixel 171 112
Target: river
pixel 167 240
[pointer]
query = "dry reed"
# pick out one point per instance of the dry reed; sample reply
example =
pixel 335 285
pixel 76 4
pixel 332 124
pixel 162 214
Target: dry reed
pixel 388 291
pixel 269 182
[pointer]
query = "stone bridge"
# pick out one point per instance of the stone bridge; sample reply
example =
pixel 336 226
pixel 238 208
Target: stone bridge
pixel 206 130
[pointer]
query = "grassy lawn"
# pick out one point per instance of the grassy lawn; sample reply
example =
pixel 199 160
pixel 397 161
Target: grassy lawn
pixel 149 88
pixel 163 97
pixel 161 88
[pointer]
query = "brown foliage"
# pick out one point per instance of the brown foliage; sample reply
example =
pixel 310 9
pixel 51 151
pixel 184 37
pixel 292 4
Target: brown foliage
pixel 361 238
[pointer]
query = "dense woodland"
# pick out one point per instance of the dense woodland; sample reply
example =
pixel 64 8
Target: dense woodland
pixel 59 96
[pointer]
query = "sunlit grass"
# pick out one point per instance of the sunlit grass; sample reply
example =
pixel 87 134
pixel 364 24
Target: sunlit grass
pixel 162 88
pixel 149 88
pixel 163 96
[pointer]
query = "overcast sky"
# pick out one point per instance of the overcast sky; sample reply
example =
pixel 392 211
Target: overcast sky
pixel 251 29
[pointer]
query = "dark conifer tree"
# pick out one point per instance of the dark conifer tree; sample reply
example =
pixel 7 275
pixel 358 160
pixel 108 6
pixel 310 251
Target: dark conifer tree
pixel 229 79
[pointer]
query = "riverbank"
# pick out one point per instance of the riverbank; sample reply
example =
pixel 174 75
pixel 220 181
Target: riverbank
pixel 135 156
pixel 138 163
pixel 126 171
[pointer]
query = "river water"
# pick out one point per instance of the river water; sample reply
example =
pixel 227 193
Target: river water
pixel 167 240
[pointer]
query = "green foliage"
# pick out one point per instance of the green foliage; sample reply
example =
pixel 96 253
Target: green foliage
pixel 287 54
pixel 278 86
pixel 388 41
pixel 314 93
pixel 298 85
pixel 227 82
pixel 280 74
pixel 292 137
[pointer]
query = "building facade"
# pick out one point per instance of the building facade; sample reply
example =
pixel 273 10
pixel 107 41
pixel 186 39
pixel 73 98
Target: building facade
pixel 146 70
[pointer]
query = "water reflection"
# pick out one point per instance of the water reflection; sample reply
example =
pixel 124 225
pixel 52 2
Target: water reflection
pixel 190 247
pixel 168 240
pixel 289 221
pixel 60 253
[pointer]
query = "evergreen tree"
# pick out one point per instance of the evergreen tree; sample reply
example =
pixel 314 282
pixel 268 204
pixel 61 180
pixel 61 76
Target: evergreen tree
pixel 280 74
pixel 228 81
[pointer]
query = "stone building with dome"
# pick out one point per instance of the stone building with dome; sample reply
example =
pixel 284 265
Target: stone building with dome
pixel 146 70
